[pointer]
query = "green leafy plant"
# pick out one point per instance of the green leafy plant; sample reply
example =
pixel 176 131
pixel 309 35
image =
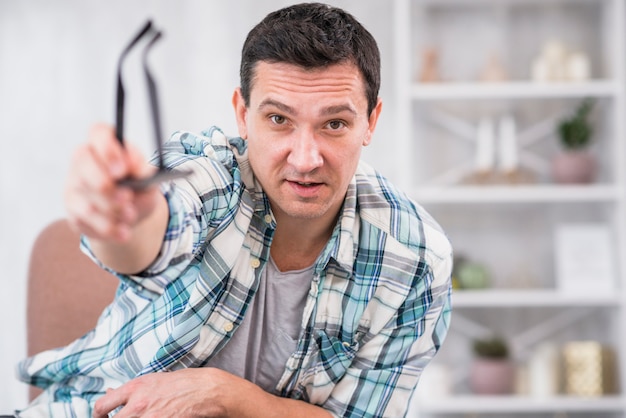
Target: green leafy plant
pixel 575 132
pixel 494 348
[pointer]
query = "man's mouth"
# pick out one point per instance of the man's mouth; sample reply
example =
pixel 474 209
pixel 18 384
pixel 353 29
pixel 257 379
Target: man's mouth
pixel 305 189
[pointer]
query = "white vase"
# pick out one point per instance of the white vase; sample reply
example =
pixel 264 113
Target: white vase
pixel 543 371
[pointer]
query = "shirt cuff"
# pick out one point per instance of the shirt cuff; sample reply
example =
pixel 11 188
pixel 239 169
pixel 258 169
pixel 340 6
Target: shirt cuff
pixel 172 247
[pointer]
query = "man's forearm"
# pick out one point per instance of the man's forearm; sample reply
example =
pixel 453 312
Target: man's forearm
pixel 261 404
pixel 206 392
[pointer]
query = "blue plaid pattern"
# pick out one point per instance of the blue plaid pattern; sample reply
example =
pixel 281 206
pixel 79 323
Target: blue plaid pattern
pixel 377 311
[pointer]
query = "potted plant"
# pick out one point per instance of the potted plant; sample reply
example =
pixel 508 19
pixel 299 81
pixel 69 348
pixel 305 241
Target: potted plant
pixel 575 164
pixel 492 371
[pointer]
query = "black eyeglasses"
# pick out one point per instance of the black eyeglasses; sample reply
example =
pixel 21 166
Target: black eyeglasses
pixel 162 174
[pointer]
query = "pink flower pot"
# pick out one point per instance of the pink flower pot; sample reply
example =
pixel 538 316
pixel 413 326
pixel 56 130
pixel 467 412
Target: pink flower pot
pixel 492 376
pixel 574 166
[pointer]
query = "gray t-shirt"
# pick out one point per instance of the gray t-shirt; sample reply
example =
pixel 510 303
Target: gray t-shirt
pixel 268 335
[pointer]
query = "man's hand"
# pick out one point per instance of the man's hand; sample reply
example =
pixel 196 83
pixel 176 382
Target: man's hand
pixel 96 206
pixel 184 393
pixel 125 227
pixel 198 392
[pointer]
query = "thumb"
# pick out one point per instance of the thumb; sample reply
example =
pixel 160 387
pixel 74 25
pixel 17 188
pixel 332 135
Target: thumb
pixel 137 164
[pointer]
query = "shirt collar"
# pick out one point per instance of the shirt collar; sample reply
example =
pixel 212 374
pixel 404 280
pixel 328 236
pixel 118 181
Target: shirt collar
pixel 341 247
pixel 240 151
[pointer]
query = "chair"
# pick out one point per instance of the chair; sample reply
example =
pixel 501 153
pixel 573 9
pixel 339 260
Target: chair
pixel 66 291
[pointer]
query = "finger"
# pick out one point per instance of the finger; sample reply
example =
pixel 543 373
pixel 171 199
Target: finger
pixel 118 205
pixel 92 172
pixel 87 171
pixel 90 180
pixel 113 399
pixel 137 164
pixel 102 228
pixel 109 151
pixel 88 219
pixel 99 215
pixel 144 199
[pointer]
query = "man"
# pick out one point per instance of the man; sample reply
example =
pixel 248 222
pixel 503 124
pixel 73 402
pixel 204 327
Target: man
pixel 283 277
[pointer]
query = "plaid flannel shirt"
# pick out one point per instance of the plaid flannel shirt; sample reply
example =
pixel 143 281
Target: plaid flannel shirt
pixel 376 313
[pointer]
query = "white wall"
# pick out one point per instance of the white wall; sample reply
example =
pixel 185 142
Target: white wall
pixel 57 75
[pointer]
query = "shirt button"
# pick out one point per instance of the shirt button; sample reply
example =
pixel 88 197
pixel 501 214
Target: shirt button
pixel 228 327
pixel 346 344
pixel 268 219
pixel 255 263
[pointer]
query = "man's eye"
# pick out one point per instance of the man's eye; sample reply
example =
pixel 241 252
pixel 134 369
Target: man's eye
pixel 335 124
pixel 277 119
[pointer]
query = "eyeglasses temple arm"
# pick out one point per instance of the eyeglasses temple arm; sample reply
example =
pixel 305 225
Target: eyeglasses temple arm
pixel 119 114
pixel 154 102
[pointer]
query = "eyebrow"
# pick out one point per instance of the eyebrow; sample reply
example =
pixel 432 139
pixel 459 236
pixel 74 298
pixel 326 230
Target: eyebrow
pixel 281 106
pixel 333 110
pixel 327 111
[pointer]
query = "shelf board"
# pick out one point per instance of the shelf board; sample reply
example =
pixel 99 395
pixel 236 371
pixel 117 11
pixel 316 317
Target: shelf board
pixel 494 298
pixel 467 404
pixel 514 90
pixel 517 194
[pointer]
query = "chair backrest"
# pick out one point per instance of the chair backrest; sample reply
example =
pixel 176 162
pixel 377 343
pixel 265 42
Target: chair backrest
pixel 66 290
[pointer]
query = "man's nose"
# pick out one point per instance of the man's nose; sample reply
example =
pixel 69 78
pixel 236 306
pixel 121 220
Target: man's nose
pixel 305 154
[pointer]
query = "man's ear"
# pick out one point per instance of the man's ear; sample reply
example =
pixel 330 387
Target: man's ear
pixel 373 120
pixel 241 113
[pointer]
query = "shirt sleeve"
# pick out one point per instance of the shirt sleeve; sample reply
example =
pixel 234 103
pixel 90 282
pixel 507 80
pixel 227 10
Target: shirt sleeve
pixel 176 246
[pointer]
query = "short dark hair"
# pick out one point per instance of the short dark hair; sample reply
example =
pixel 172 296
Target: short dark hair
pixel 311 35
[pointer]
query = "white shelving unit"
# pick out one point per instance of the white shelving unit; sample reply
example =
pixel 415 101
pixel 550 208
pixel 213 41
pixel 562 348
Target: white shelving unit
pixel 524 298
pixel 509 226
pixel 512 90
pixel 499 405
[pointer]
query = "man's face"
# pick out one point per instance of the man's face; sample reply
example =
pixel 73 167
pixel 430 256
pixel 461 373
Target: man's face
pixel 305 130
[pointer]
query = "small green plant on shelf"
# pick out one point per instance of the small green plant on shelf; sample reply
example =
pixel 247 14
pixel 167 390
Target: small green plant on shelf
pixel 576 132
pixel 493 348
pixel 575 163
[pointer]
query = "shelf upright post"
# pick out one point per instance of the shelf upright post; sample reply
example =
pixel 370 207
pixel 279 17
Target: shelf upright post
pixel 402 80
pixel 616 17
